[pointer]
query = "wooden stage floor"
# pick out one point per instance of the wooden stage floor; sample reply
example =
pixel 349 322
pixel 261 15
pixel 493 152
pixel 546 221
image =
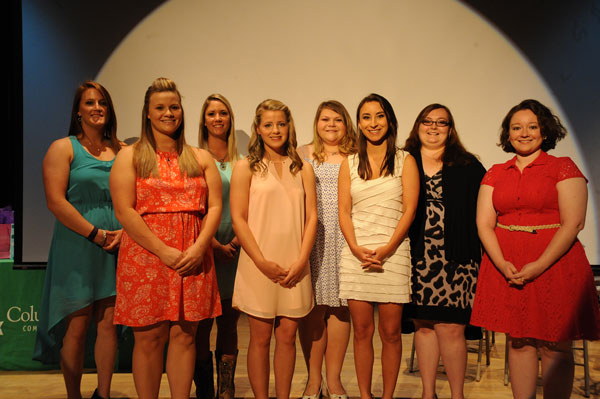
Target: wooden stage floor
pixel 49 385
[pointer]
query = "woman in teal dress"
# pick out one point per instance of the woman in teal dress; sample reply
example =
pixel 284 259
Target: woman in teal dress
pixel 80 276
pixel 217 136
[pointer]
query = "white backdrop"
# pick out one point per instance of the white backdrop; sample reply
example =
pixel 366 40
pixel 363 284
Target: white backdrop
pixel 303 52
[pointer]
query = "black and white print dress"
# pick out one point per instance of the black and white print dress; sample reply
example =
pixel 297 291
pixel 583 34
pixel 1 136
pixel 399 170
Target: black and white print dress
pixel 442 290
pixel 325 255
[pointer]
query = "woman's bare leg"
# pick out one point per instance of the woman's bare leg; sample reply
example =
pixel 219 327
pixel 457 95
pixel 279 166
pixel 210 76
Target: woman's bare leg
pixel 258 355
pixel 523 366
pixel 105 349
pixel 453 348
pixel 284 358
pixel 338 335
pixel 73 350
pixel 147 361
pixel 181 358
pixel 557 369
pixel 390 331
pixel 364 327
pixel 428 355
pixel 313 339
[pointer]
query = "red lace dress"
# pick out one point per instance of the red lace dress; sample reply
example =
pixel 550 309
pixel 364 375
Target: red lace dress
pixel 147 290
pixel 560 304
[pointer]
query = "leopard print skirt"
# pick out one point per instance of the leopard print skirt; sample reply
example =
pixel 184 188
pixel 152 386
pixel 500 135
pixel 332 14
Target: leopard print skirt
pixel 442 290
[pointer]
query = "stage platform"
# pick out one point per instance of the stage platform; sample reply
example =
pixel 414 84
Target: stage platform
pixel 49 384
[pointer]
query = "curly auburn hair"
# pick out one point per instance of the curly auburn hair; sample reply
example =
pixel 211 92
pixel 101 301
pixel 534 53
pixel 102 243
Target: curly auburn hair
pixel 551 128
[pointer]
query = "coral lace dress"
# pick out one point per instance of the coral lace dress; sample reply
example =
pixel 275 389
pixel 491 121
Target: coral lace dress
pixel 561 303
pixel 148 291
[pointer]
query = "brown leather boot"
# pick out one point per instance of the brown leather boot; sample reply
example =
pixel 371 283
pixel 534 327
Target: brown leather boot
pixel 226 375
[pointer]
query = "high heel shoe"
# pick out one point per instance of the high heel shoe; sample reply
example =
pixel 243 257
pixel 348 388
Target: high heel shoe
pixel 328 394
pixel 318 395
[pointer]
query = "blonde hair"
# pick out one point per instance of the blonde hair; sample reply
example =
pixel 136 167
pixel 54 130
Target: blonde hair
pixel 203 130
pixel 144 151
pixel 348 144
pixel 256 147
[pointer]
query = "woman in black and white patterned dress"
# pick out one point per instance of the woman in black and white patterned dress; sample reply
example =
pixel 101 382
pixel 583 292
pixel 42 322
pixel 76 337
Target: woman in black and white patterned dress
pixel 325 332
pixel 445 248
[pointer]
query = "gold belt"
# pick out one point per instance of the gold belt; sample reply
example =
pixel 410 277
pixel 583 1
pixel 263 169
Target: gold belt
pixel 528 229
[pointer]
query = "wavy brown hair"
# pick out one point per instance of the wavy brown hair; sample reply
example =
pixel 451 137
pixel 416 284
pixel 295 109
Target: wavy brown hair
pixel 256 146
pixel 348 144
pixel 388 164
pixel 144 150
pixel 454 151
pixel 551 129
pixel 203 130
pixel 110 128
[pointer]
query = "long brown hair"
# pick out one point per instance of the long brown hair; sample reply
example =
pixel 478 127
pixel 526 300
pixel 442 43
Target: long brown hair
pixel 348 144
pixel 144 150
pixel 256 146
pixel 110 128
pixel 203 130
pixel 454 151
pixel 388 164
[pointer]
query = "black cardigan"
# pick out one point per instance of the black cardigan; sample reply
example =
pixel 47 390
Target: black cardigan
pixel 460 187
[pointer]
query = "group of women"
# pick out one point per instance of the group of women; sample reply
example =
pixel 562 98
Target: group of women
pixel 308 239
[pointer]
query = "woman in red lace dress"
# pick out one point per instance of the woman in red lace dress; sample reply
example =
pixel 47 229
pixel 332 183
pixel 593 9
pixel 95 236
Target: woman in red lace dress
pixel 167 196
pixel 535 281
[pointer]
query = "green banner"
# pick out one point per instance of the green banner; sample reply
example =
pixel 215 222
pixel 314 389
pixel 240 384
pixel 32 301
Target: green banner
pixel 20 295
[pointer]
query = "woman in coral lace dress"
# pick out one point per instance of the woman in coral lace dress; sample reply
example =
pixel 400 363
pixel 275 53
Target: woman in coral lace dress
pixel 535 281
pixel 167 196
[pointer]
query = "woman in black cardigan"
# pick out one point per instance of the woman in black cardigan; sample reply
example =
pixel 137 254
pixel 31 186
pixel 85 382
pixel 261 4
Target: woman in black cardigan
pixel 445 248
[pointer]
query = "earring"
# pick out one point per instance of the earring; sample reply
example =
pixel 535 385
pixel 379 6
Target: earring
pixel 78 118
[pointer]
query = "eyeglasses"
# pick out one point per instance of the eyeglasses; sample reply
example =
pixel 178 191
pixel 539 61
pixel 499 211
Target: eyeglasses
pixel 438 123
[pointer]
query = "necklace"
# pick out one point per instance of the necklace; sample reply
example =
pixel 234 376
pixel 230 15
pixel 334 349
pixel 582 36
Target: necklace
pixel 97 149
pixel 221 161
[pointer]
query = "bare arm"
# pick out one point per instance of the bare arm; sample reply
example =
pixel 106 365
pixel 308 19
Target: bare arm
pixel 572 203
pixel 238 201
pixel 194 255
pixel 55 171
pixel 486 223
pixel 410 197
pixel 306 151
pixel 310 226
pixel 122 190
pixel 345 217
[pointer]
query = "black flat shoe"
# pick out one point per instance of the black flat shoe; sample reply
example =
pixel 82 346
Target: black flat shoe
pixel 95 395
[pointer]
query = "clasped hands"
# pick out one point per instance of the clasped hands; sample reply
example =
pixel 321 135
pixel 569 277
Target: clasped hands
pixel 371 260
pixel 519 278
pixel 113 239
pixel 183 262
pixel 225 253
pixel 277 274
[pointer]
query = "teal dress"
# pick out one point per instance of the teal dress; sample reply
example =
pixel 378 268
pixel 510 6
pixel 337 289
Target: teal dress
pixel 225 271
pixel 79 272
